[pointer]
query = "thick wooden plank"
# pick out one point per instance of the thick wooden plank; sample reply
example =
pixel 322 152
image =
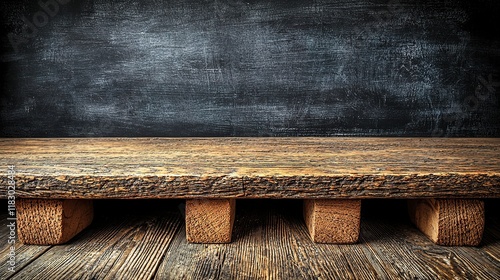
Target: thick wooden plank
pixel 253 167
pixel 210 220
pixel 52 221
pixel 333 220
pixel 250 68
pixel 452 222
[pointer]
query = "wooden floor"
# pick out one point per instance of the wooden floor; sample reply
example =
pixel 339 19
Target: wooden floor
pixel 146 240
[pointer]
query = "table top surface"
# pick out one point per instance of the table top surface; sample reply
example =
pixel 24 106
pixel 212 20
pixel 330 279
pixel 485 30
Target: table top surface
pixel 276 164
pixel 251 156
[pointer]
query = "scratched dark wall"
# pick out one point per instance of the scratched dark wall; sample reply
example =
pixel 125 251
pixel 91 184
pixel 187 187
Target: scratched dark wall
pixel 250 68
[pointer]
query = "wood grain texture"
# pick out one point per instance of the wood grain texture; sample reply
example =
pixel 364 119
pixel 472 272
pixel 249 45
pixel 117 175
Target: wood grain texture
pixel 333 221
pixel 210 220
pixel 24 254
pixel 253 167
pixel 50 221
pixel 118 247
pixel 250 68
pixel 450 222
pixel 270 242
pixel 402 250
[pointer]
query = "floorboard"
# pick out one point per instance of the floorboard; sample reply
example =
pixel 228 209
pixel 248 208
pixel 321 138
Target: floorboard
pixel 126 248
pixel 24 254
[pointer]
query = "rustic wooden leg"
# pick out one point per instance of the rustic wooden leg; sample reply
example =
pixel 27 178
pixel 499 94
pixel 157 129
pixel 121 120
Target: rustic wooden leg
pixel 332 220
pixel 450 222
pixel 210 220
pixel 52 221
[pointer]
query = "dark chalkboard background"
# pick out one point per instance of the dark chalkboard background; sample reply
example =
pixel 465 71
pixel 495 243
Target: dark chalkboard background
pixel 250 68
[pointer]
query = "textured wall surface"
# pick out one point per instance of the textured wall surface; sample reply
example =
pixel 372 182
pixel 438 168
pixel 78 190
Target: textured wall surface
pixel 249 68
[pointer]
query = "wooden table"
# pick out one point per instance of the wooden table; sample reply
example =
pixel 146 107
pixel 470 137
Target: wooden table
pixel 443 178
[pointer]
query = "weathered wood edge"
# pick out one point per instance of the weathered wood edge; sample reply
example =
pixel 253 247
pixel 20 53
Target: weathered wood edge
pixel 299 187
